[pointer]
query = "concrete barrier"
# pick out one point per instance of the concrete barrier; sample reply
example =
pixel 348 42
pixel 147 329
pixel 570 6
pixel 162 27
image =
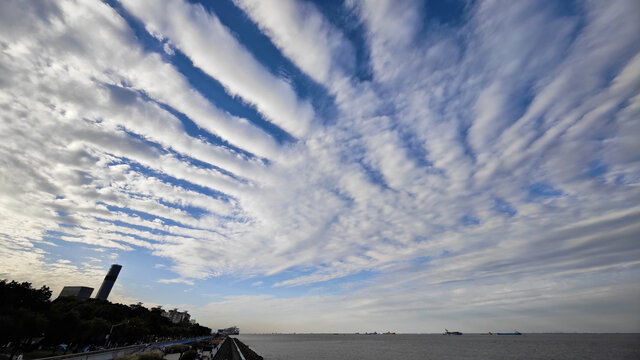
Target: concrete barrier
pixel 238 349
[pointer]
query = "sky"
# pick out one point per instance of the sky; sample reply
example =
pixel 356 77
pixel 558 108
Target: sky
pixel 329 166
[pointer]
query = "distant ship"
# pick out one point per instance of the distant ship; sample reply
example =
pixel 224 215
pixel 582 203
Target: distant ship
pixel 515 332
pixel 447 332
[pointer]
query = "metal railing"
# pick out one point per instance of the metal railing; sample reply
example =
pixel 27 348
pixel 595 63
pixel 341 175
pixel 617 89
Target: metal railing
pixel 105 354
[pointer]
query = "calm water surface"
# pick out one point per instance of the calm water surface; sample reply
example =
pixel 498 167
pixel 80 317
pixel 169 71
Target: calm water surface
pixel 422 347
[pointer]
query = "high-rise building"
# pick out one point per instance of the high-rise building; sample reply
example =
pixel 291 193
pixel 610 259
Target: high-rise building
pixel 80 292
pixel 176 316
pixel 109 280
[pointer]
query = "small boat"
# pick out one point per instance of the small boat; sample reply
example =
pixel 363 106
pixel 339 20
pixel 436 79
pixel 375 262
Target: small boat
pixel 447 332
pixel 515 332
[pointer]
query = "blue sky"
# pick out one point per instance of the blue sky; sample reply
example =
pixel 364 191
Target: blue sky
pixel 300 166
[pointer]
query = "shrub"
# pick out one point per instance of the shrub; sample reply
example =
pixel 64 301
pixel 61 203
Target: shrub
pixel 202 344
pixel 177 348
pixel 189 355
pixel 151 355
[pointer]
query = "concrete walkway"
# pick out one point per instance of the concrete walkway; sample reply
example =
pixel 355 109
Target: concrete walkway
pixel 205 354
pixel 175 356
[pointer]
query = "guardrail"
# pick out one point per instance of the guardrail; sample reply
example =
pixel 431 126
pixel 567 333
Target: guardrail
pixel 110 354
pixel 106 354
pixel 184 341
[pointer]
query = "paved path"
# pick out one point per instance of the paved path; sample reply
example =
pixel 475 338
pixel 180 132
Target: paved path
pixel 186 341
pixel 206 354
pixel 175 356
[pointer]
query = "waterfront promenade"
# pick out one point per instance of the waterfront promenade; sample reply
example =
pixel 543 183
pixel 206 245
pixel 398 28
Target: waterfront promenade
pixel 234 349
pixel 229 349
pixel 104 354
pixel 114 353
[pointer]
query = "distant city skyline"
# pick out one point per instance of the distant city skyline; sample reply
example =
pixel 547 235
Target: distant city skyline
pixel 328 166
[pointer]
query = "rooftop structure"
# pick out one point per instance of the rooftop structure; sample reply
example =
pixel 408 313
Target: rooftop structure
pixel 176 316
pixel 79 292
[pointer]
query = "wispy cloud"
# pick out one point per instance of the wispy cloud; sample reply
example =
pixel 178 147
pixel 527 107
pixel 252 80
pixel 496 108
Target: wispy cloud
pixel 490 154
pixel 177 281
pixel 213 48
pixel 304 35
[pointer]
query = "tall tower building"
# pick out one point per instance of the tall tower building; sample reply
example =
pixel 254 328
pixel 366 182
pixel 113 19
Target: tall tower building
pixel 109 280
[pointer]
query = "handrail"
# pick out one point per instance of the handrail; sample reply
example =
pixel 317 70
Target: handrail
pixel 89 353
pixel 183 341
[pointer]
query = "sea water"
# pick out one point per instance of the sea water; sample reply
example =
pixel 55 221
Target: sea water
pixel 436 346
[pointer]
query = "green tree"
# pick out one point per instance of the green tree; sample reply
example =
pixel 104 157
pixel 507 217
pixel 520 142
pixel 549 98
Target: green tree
pixel 22 313
pixel 94 331
pixel 27 313
pixel 65 326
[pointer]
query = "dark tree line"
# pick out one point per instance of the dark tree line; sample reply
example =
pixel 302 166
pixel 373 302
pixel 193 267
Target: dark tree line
pixel 28 316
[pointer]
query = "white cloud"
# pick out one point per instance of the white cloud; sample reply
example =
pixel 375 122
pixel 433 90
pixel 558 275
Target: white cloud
pixel 167 48
pixel 176 281
pixel 418 308
pixel 303 34
pixel 422 179
pixel 212 47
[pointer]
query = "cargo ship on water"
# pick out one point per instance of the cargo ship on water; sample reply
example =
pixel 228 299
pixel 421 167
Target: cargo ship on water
pixel 515 332
pixel 447 332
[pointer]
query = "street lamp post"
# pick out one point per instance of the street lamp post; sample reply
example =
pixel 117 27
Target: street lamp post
pixel 107 343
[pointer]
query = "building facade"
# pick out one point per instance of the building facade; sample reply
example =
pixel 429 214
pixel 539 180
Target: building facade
pixel 79 292
pixel 109 280
pixel 177 316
